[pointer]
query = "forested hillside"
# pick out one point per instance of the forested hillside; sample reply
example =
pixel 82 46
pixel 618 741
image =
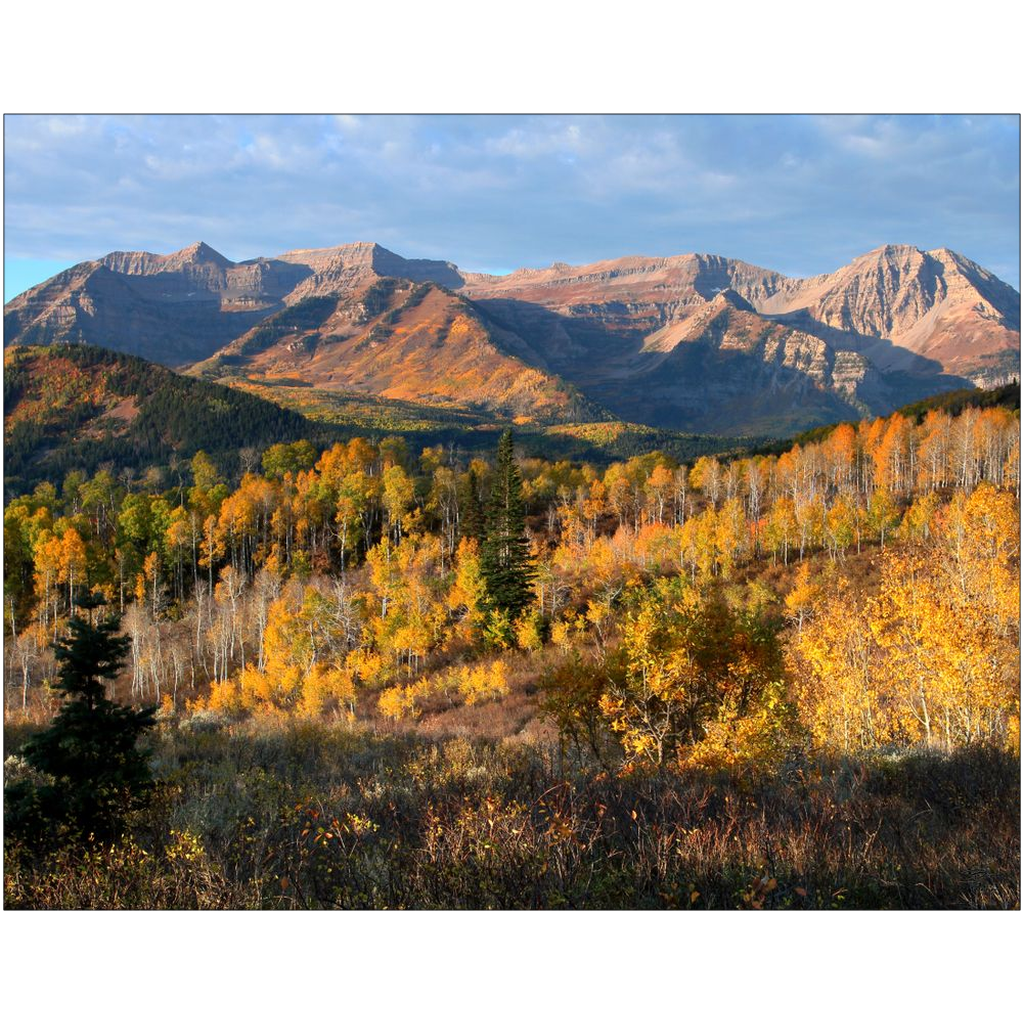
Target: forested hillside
pixel 77 408
pixel 524 642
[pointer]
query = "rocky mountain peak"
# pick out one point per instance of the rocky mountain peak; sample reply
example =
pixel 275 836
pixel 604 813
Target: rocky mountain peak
pixel 936 314
pixel 891 250
pixel 728 298
pixel 198 252
pixel 142 263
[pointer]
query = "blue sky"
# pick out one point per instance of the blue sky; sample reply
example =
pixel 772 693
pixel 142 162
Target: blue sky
pixel 798 194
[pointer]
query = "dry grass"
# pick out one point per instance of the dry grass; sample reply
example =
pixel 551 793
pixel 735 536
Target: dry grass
pixel 307 815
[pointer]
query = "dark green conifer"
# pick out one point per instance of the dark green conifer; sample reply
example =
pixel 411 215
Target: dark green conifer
pixel 90 751
pixel 472 523
pixel 505 557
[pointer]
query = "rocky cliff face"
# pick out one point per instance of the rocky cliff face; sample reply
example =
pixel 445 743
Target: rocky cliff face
pixel 169 309
pixel 347 267
pixel 935 304
pixel 938 304
pixel 699 332
pixel 724 362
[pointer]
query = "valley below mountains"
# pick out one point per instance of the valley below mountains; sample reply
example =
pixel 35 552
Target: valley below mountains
pixel 694 343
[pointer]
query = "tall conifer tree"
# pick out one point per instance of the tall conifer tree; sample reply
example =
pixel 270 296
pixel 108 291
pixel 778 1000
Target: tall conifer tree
pixel 472 522
pixel 505 558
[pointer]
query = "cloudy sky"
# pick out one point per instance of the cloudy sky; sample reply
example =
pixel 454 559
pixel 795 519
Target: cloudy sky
pixel 802 195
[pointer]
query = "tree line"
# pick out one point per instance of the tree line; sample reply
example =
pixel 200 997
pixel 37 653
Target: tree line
pixel 364 579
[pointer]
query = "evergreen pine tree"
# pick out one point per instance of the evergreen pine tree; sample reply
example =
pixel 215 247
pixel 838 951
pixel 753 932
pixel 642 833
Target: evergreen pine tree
pixel 90 749
pixel 472 523
pixel 505 557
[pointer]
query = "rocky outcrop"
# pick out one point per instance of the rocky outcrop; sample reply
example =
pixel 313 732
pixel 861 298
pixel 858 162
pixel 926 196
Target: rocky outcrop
pixel 350 266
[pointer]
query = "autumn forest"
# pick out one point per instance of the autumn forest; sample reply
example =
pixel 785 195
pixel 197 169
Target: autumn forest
pixel 383 676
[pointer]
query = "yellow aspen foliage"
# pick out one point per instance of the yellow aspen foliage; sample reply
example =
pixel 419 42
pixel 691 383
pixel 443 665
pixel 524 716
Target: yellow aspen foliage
pixel 472 684
pixel 529 632
pixel 993 521
pixel 660 486
pixel 933 450
pixel 810 519
pixel 595 504
pixel 1011 466
pixel 604 563
pixel 883 515
pixel 730 536
pixel 688 673
pixel 412 611
pixel 211 546
pixel 366 666
pixel 840 526
pixel 398 497
pixel 834 666
pixel 226 697
pixel 72 558
pixel 840 451
pixel 598 615
pixel 744 734
pixel 654 547
pixel 706 476
pixel 178 534
pixel 904 622
pixel 325 686
pixel 280 685
pixel 398 702
pixel 933 658
pixel 467 597
pixel 800 601
pixel 698 543
pixel 919 521
pixel 568 631
pixel 891 454
pixel 325 576
pixel 950 638
pixel 979 545
pixel 302 664
pixel 952 524
pixel 482 682
pixel 781 529
pixel 150 576
pixel 140 588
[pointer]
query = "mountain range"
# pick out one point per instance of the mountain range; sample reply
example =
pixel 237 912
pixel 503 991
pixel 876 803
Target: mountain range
pixel 692 342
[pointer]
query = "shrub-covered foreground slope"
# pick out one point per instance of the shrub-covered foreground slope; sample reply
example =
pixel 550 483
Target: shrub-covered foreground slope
pixel 315 815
